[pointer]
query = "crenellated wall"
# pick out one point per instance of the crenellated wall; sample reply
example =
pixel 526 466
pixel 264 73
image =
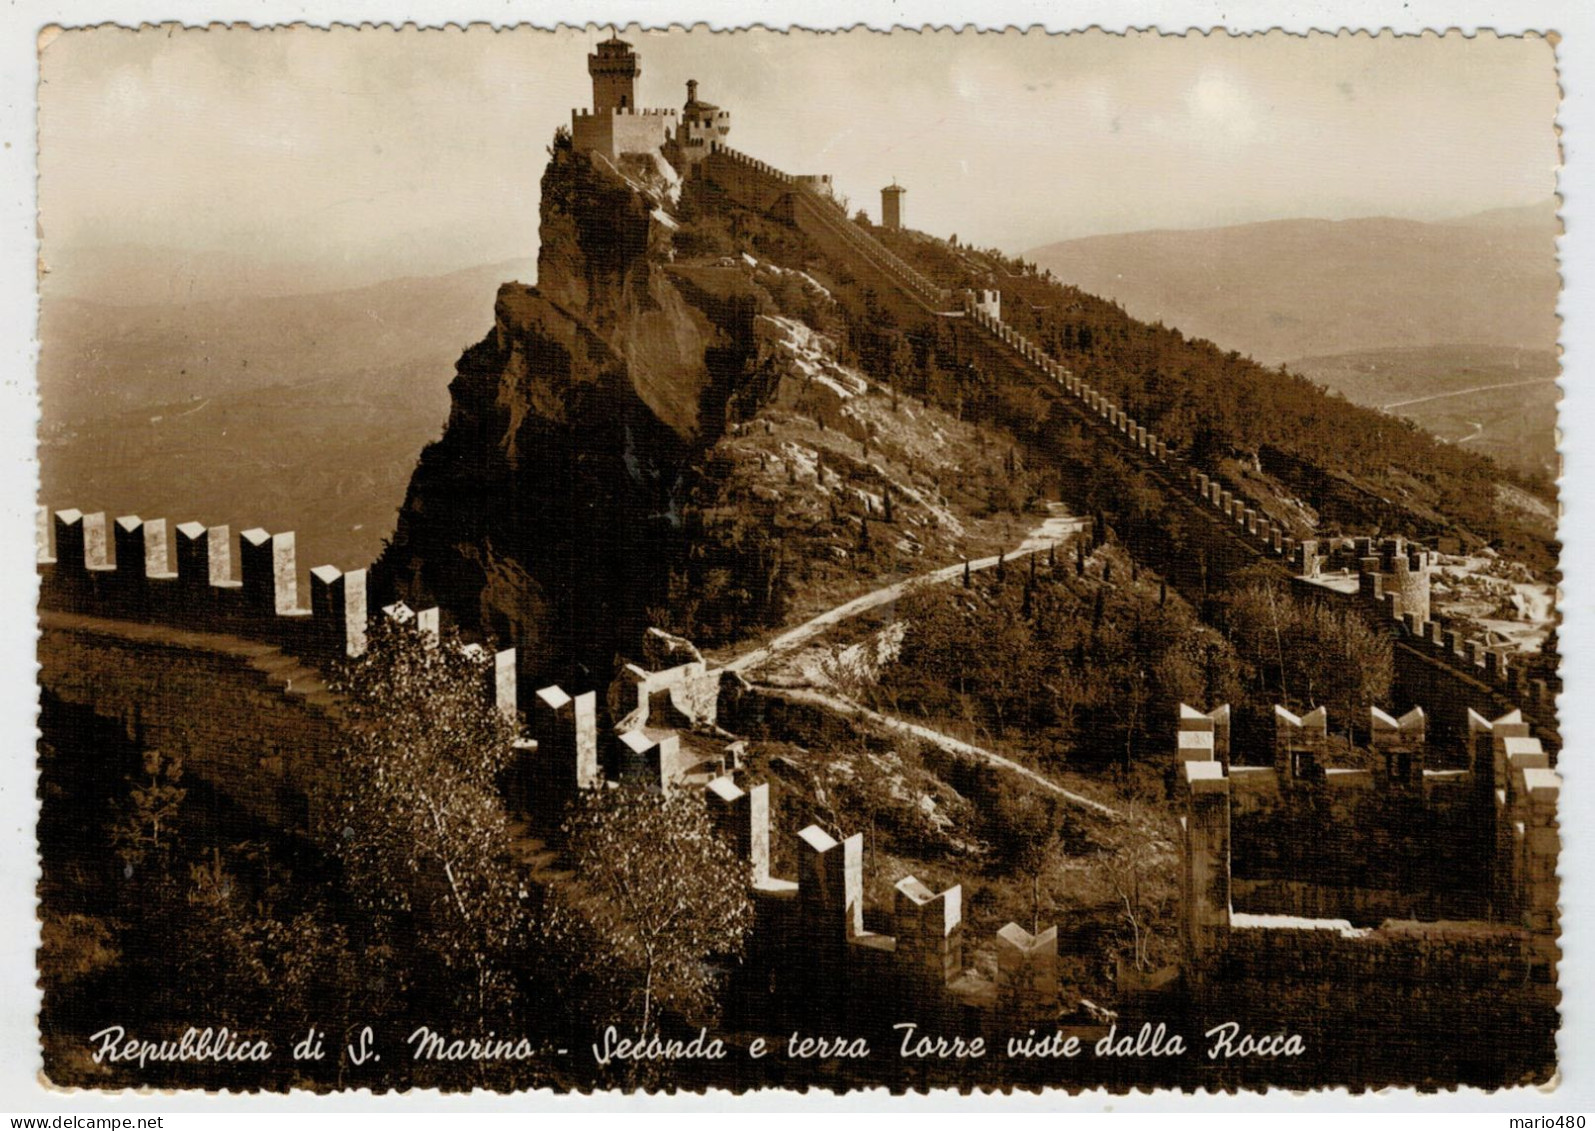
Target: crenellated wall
pixel 807 203
pixel 620 130
pixel 200 578
pixel 811 938
pixel 224 672
pixel 204 644
pixel 1435 666
pixel 1298 853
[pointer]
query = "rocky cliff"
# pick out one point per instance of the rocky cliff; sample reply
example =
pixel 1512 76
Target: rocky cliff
pixel 545 514
pixel 663 432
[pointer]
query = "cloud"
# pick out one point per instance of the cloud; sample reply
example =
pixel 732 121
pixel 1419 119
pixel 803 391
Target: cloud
pixel 1219 109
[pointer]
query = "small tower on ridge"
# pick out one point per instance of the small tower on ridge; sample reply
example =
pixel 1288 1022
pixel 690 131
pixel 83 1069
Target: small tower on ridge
pixel 614 68
pixel 702 124
pixel 892 206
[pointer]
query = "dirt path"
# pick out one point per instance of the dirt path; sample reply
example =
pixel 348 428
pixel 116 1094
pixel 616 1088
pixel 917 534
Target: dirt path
pixel 1058 526
pixel 936 738
pixel 1465 392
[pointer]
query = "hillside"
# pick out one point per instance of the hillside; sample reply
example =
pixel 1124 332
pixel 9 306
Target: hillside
pixel 299 412
pixel 1320 458
pixel 635 442
pixel 1296 288
pixel 677 439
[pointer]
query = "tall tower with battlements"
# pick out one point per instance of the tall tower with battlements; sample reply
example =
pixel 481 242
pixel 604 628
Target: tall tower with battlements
pixel 616 125
pixel 892 206
pixel 615 69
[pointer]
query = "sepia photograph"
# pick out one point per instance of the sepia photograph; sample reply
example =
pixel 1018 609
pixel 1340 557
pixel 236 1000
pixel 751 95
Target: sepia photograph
pixel 645 560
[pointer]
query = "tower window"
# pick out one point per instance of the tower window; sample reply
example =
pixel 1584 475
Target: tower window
pixel 622 101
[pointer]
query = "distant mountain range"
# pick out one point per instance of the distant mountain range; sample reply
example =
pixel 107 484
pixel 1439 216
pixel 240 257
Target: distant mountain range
pixel 1451 324
pixel 98 357
pixel 1290 289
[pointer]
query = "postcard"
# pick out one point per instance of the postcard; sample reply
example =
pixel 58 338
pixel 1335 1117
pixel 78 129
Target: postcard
pixel 639 560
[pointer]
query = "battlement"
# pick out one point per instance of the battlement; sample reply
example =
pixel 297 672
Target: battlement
pixel 754 164
pixel 624 112
pixel 922 960
pixel 144 570
pixel 616 130
pixel 1254 837
pixel 829 214
pixel 1389 581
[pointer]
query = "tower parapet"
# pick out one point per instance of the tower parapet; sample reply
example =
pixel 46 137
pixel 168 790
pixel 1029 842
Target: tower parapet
pixel 1245 885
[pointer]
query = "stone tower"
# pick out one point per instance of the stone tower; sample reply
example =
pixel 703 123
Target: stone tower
pixel 702 125
pixel 614 68
pixel 1404 571
pixel 892 206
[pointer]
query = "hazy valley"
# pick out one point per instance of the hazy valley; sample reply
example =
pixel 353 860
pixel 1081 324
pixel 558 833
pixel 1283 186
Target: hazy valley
pixel 301 412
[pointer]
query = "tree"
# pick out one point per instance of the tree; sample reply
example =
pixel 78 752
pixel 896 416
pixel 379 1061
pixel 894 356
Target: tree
pixel 1127 869
pixel 425 835
pixel 1304 654
pixel 1024 822
pixel 150 813
pixel 656 894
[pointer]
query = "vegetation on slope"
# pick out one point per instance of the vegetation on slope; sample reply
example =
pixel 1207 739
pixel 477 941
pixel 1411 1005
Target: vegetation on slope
pixel 1358 466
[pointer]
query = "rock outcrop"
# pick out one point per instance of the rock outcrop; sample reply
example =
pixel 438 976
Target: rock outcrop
pixel 546 515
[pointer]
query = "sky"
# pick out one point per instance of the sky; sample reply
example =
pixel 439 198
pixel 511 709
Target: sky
pixel 372 153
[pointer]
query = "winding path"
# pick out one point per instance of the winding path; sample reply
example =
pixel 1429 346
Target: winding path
pixel 1465 392
pixel 1058 526
pixel 1055 529
pixel 936 738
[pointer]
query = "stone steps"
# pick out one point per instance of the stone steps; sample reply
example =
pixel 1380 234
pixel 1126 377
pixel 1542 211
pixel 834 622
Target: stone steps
pixel 291 676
